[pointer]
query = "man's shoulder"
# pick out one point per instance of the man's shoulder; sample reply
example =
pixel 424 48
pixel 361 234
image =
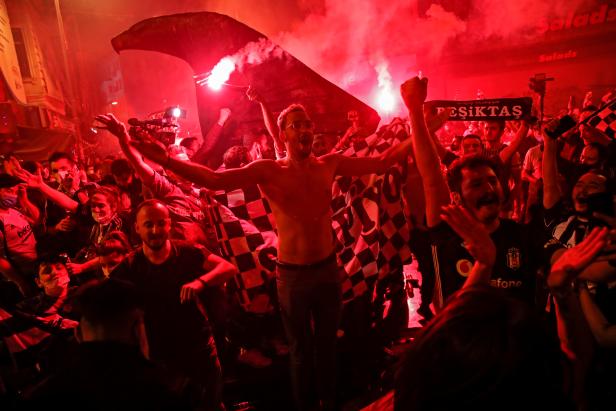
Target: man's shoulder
pixel 128 263
pixel 266 163
pixel 264 167
pixel 184 246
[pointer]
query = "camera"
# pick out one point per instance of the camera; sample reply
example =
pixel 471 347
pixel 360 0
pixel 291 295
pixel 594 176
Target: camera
pixel 163 127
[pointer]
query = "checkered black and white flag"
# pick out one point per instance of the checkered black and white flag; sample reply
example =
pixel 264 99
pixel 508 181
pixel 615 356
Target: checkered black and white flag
pixel 368 216
pixel 604 119
pixel 247 233
pixel 368 222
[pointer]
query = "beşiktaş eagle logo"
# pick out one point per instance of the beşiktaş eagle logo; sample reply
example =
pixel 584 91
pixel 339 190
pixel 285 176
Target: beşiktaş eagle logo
pixel 513 258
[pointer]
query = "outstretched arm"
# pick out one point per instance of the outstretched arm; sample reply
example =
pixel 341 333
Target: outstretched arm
pixel 551 189
pixel 31 212
pixel 36 181
pixel 254 173
pixel 426 156
pixel 118 129
pixel 356 166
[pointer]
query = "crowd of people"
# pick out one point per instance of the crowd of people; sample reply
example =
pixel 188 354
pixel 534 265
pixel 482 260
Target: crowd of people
pixel 113 281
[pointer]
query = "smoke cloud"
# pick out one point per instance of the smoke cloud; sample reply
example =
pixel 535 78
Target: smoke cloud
pixel 350 41
pixel 257 52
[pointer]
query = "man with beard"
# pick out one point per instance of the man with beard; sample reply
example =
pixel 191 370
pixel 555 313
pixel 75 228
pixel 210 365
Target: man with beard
pixel 474 184
pixel 171 277
pixel 298 188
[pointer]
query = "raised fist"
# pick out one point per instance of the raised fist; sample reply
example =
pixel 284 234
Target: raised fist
pixel 414 92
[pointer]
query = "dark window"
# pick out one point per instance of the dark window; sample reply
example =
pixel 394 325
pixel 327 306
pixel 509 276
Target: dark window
pixel 22 53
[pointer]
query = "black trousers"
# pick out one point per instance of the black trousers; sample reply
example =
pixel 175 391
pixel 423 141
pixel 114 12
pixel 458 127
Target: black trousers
pixel 311 302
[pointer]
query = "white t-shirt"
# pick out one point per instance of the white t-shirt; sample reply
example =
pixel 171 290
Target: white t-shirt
pixel 19 240
pixel 533 161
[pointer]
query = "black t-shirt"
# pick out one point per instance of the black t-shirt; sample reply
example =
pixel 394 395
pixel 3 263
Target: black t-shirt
pixel 518 256
pixel 176 332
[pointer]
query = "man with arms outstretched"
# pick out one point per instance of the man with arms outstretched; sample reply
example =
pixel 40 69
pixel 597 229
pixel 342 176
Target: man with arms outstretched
pixel 298 188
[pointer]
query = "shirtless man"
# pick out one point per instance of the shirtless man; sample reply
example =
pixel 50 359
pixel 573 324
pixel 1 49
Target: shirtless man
pixel 298 188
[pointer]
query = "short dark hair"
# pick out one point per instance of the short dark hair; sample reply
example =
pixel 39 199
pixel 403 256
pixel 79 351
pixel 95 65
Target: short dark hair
pixel 107 302
pixel 111 194
pixel 52 258
pixel 235 157
pixel 115 241
pixel 282 117
pixel 454 175
pixel 151 202
pixel 121 167
pixel 59 155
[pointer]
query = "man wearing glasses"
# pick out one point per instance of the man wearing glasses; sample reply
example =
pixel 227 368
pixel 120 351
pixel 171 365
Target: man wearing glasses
pixel 298 188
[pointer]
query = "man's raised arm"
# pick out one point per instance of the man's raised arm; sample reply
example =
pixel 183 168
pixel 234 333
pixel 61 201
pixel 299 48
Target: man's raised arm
pixel 355 166
pixel 414 93
pixel 118 129
pixel 269 121
pixel 551 188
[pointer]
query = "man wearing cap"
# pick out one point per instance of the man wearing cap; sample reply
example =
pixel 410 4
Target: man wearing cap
pixel 17 242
